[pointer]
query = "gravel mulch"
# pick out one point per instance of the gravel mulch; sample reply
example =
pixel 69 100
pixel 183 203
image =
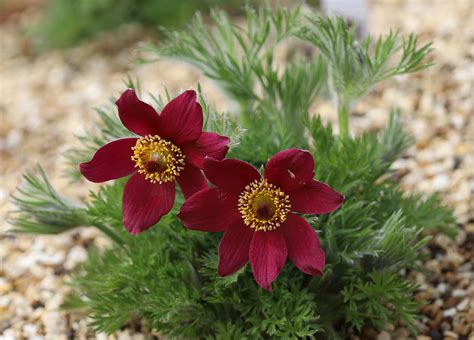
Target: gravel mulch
pixel 47 98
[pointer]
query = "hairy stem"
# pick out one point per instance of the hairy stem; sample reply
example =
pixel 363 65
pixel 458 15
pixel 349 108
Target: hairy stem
pixel 343 116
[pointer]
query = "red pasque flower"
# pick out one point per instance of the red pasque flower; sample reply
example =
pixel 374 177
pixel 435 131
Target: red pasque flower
pixel 256 214
pixel 172 147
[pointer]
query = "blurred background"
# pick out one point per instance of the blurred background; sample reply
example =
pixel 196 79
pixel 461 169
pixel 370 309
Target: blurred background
pixel 62 58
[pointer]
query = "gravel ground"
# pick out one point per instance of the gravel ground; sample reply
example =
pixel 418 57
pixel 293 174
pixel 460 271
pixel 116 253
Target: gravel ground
pixel 46 99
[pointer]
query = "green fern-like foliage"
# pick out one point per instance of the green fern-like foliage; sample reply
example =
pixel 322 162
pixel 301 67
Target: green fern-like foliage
pixel 167 276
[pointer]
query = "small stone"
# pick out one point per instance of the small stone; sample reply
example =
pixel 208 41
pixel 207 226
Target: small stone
pixel 449 312
pixel 433 266
pixel 423 337
pixel 5 286
pixel 76 255
pixel 101 336
pixel 440 182
pixel 9 334
pixel 30 331
pixel 454 259
pixel 444 241
pixel 459 293
pixel 463 305
pixel 469 228
pixel 124 335
pixel 450 335
pixel 442 287
pixel 54 323
pixel 402 333
pixel 384 336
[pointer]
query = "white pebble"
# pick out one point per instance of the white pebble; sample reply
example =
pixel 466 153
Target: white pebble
pixel 440 182
pixel 459 293
pixel 76 255
pixel 31 331
pixel 442 287
pixel 8 334
pixel 463 304
pixel 449 312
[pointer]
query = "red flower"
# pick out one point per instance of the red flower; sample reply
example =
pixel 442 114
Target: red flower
pixel 256 216
pixel 171 147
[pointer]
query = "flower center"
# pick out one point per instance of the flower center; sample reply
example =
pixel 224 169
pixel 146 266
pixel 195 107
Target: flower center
pixel 158 159
pixel 263 206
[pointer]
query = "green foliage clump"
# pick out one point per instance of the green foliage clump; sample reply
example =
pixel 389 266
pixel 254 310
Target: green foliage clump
pixel 67 22
pixel 167 276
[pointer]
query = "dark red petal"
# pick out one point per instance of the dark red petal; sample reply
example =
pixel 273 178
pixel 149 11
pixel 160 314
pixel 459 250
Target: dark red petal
pixel 137 116
pixel 191 180
pixel 267 257
pixel 208 145
pixel 144 203
pixel 181 119
pixel 303 245
pixel 290 169
pixel 315 198
pixel 111 161
pixel 209 210
pixel 234 248
pixel 230 174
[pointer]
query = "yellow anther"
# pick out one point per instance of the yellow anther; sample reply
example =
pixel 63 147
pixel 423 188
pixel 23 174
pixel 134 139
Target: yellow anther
pixel 263 206
pixel 158 159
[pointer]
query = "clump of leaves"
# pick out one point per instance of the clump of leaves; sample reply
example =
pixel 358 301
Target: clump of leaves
pixel 167 275
pixel 67 22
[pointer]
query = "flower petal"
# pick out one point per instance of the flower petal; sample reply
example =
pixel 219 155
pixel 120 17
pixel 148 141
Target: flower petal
pixel 144 203
pixel 181 119
pixel 137 116
pixel 191 180
pixel 111 161
pixel 290 169
pixel 209 210
pixel 234 248
pixel 267 257
pixel 303 245
pixel 208 145
pixel 230 175
pixel 315 198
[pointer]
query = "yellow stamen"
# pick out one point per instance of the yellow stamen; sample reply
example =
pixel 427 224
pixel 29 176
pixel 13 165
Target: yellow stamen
pixel 158 159
pixel 263 206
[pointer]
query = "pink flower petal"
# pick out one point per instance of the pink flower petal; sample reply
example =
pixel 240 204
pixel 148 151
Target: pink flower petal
pixel 267 257
pixel 290 169
pixel 209 210
pixel 144 203
pixel 181 119
pixel 234 248
pixel 208 145
pixel 230 175
pixel 137 116
pixel 303 245
pixel 111 161
pixel 191 180
pixel 315 198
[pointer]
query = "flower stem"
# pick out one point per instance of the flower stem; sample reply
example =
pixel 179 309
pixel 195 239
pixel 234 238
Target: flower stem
pixel 343 117
pixel 110 233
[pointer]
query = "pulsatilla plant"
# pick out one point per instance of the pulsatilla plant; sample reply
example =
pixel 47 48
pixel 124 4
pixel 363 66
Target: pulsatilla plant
pixel 350 232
